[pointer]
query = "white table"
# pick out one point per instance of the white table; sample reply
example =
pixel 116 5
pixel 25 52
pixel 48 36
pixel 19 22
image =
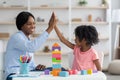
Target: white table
pixel 94 76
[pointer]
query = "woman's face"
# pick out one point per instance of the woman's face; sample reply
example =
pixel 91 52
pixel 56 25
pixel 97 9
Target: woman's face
pixel 29 27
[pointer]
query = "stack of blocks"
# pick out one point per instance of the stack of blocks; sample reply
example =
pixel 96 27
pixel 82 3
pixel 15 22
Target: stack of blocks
pixel 89 71
pixel 56 59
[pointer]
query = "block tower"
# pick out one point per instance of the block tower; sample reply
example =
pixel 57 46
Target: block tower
pixel 56 59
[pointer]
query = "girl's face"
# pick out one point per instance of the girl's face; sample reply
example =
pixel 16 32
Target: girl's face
pixel 80 43
pixel 29 27
pixel 77 41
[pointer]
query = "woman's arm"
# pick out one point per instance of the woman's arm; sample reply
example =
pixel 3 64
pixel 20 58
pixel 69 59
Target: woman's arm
pixel 98 65
pixel 52 23
pixel 63 39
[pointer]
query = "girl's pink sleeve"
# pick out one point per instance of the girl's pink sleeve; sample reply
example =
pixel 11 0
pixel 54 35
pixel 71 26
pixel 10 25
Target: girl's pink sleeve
pixel 74 50
pixel 95 55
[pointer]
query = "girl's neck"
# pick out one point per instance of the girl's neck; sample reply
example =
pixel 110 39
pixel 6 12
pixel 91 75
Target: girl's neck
pixel 85 48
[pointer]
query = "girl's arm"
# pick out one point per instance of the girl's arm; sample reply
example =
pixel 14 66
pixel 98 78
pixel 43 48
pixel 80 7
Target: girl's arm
pixel 63 39
pixel 98 65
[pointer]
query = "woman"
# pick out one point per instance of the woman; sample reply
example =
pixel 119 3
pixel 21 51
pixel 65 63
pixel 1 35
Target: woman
pixel 20 43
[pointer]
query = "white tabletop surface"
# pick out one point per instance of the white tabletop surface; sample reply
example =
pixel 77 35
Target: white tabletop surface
pixel 41 76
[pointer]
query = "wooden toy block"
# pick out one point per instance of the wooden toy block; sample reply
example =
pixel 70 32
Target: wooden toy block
pixel 46 72
pixel 89 71
pixel 56 69
pixel 56 52
pixel 56 72
pixel 64 73
pixel 56 66
pixel 55 44
pixel 54 60
pixel 74 72
pixel 83 72
pixel 70 72
pixel 95 71
pixel 56 55
pixel 56 48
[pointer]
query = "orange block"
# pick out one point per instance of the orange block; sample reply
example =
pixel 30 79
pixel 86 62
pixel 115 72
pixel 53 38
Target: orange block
pixel 56 72
pixel 56 45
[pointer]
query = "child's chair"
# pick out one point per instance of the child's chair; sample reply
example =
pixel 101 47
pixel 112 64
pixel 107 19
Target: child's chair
pixel 101 58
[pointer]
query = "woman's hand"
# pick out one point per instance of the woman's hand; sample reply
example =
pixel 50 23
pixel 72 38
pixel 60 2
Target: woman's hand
pixel 40 67
pixel 52 23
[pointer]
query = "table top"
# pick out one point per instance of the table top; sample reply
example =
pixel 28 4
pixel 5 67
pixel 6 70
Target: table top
pixel 40 76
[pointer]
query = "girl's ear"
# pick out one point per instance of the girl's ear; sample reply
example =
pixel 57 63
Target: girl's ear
pixel 83 39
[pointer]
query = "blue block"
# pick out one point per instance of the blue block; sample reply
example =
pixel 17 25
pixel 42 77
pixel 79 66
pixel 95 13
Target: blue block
pixel 83 72
pixel 56 66
pixel 64 73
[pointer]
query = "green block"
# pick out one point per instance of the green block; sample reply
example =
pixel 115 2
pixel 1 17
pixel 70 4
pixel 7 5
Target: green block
pixel 54 60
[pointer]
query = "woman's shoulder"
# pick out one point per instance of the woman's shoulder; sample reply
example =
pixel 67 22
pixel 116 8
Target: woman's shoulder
pixel 16 35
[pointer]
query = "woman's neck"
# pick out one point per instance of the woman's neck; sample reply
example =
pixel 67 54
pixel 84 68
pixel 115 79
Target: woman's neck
pixel 27 35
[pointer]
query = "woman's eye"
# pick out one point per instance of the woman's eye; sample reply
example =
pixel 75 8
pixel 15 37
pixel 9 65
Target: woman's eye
pixel 30 23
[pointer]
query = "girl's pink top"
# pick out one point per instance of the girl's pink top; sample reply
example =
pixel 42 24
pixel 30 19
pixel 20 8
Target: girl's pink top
pixel 84 60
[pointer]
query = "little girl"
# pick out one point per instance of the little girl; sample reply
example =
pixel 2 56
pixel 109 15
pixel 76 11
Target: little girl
pixel 85 57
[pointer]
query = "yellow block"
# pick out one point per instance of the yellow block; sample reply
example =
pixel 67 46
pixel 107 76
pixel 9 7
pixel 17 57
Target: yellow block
pixel 89 71
pixel 56 52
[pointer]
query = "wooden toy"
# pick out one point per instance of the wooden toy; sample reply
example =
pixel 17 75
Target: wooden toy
pixel 56 59
pixel 74 71
pixel 70 72
pixel 89 71
pixel 46 72
pixel 64 73
pixel 83 72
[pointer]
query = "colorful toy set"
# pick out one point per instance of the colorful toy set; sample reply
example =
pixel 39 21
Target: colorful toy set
pixel 85 72
pixel 56 59
pixel 89 71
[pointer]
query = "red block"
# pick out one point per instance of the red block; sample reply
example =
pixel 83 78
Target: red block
pixel 75 71
pixel 70 72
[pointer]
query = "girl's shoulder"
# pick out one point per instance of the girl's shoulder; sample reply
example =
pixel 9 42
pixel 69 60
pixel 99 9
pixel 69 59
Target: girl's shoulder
pixel 76 47
pixel 93 51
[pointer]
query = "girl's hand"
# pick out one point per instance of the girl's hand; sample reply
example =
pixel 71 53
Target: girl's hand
pixel 52 23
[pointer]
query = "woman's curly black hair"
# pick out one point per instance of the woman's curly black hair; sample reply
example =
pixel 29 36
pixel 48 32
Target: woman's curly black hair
pixel 22 18
pixel 87 32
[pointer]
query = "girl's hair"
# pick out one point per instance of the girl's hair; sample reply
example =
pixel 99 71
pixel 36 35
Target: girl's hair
pixel 22 18
pixel 87 32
